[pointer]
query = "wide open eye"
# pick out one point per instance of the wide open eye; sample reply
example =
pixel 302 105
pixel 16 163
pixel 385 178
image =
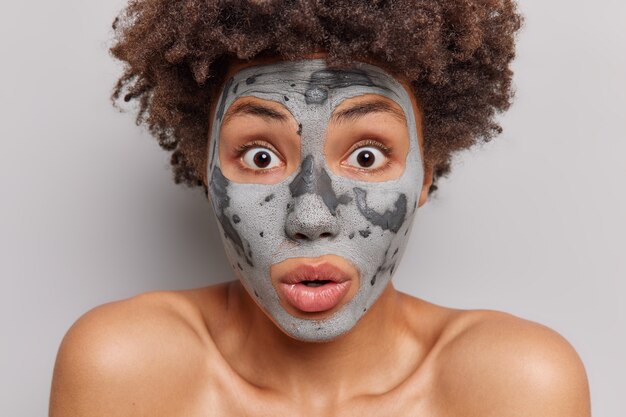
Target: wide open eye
pixel 367 157
pixel 260 158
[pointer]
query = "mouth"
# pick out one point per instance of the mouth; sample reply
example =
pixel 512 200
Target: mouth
pixel 316 283
pixel 314 288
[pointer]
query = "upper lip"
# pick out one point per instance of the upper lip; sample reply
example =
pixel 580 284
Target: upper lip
pixel 310 272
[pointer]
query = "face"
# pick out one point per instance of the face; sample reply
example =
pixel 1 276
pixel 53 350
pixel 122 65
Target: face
pixel 314 175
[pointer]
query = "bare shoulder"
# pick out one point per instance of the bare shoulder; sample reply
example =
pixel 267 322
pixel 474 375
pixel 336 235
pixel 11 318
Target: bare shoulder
pixel 130 357
pixel 496 364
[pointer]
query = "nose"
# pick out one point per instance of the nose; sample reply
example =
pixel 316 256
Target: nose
pixel 309 219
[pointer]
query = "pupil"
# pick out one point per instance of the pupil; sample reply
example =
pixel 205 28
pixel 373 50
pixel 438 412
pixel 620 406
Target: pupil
pixel 262 159
pixel 365 158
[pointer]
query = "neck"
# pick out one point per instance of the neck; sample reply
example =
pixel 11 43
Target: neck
pixel 358 362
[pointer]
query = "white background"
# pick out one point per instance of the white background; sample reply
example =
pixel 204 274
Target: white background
pixel 534 223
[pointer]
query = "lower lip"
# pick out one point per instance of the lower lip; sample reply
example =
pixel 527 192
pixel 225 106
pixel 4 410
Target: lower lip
pixel 314 299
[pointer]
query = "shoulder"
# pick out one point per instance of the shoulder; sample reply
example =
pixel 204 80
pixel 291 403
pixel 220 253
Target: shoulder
pixel 124 356
pixel 497 364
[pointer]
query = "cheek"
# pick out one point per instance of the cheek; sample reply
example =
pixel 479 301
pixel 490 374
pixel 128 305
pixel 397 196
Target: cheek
pixel 384 217
pixel 393 216
pixel 257 213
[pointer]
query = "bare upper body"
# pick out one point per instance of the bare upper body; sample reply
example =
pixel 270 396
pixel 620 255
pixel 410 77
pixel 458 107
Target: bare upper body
pixel 213 352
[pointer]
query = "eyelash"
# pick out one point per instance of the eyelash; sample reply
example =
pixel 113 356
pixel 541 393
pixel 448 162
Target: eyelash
pixel 254 144
pixel 241 149
pixel 386 150
pixel 370 142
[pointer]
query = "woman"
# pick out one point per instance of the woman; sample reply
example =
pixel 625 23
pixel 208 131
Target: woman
pixel 318 130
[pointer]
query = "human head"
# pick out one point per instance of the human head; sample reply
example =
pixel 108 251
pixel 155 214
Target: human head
pixel 310 201
pixel 454 55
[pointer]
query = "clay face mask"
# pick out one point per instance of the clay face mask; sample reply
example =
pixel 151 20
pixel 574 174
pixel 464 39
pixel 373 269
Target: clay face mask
pixel 367 223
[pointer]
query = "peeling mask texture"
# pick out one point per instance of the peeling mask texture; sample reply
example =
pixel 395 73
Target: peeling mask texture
pixel 365 222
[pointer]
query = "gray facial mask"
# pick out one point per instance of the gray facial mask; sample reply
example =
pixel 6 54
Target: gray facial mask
pixel 368 222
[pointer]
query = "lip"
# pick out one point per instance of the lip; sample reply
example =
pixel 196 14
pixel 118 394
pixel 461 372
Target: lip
pixel 314 299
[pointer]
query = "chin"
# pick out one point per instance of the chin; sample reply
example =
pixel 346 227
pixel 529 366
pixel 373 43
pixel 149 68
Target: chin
pixel 316 298
pixel 316 331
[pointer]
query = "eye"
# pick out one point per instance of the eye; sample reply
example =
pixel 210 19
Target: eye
pixel 260 158
pixel 367 157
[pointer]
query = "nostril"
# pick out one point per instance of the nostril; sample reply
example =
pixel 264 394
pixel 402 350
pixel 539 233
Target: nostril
pixel 326 234
pixel 301 236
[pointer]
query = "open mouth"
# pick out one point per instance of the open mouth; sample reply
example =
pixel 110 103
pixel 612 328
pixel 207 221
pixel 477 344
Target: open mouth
pixel 314 288
pixel 316 283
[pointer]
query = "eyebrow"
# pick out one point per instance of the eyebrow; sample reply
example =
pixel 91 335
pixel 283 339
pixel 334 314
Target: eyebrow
pixel 362 109
pixel 255 109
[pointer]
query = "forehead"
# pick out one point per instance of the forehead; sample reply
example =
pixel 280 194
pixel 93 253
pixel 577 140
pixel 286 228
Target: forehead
pixel 309 87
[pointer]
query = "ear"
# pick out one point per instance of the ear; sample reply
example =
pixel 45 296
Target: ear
pixel 428 182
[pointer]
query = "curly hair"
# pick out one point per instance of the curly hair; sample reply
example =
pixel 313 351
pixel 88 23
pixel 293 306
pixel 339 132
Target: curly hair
pixel 455 54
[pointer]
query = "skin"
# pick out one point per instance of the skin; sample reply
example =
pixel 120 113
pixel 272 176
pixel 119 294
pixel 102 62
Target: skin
pixel 213 351
pixel 331 204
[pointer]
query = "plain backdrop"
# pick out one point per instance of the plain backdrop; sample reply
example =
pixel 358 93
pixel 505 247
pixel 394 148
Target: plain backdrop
pixel 533 223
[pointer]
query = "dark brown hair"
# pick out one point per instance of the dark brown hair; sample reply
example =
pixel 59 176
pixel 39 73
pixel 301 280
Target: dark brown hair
pixel 454 53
